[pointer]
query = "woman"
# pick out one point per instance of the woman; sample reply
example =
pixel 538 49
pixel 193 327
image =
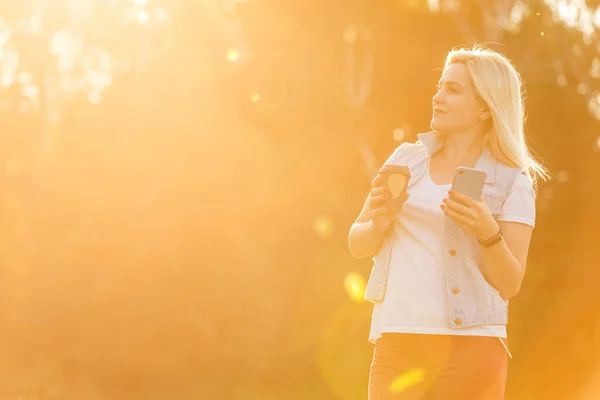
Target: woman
pixel 445 264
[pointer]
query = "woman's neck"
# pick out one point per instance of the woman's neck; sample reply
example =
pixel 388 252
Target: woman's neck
pixel 460 147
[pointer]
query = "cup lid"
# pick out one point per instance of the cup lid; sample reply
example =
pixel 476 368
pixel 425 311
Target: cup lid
pixel 395 168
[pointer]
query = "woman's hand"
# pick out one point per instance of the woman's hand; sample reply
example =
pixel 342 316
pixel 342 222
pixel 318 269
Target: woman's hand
pixel 381 215
pixel 470 215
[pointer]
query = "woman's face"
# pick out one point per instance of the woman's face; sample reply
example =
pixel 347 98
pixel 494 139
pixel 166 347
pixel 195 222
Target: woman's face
pixel 456 107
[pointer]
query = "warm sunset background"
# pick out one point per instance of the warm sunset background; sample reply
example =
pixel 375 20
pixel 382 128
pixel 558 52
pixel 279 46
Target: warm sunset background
pixel 179 178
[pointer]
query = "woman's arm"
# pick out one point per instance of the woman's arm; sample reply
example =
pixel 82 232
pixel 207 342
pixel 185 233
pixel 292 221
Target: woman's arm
pixel 504 262
pixel 364 238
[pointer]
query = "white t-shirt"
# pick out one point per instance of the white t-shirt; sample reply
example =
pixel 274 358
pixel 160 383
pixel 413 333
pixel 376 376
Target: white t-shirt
pixel 416 299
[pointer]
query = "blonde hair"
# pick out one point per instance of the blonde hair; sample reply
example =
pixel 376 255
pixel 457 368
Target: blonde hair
pixel 500 86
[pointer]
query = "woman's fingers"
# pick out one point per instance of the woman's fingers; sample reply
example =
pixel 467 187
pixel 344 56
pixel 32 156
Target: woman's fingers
pixel 376 182
pixel 383 213
pixel 377 201
pixel 457 217
pixel 459 208
pixel 462 198
pixel 377 191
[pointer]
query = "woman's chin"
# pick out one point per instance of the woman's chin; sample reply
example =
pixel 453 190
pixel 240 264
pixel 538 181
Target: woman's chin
pixel 441 126
pixel 436 125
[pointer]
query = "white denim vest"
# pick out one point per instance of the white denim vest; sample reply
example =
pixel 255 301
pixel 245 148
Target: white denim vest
pixel 472 300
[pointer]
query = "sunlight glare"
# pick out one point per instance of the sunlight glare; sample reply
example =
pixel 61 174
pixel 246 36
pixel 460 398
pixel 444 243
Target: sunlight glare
pixel 355 287
pixel 575 14
pixel 407 379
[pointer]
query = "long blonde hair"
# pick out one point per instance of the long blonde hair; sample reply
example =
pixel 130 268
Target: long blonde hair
pixel 500 86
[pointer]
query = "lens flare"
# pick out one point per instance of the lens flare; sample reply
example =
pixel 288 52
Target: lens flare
pixel 355 286
pixel 324 226
pixel 407 379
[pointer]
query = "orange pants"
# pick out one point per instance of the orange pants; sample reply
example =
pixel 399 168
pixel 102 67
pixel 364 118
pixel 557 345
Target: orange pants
pixel 436 367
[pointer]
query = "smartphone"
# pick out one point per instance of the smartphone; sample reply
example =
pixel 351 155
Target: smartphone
pixel 469 181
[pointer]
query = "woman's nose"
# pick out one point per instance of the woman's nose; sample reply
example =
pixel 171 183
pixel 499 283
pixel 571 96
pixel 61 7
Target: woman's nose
pixel 437 98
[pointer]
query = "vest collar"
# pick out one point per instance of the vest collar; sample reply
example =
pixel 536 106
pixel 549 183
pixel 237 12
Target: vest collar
pixel 433 142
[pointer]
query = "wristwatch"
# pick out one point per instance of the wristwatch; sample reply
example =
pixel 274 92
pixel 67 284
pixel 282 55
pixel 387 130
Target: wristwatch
pixel 491 241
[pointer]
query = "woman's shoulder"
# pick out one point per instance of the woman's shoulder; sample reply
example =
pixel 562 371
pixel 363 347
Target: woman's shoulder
pixel 407 153
pixel 512 176
pixel 508 169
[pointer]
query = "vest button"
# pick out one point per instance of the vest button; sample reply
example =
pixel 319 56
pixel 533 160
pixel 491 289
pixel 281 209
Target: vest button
pixel 458 321
pixel 455 290
pixel 452 252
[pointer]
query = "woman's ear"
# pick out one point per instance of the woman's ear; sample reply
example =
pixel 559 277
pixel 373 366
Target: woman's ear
pixel 485 115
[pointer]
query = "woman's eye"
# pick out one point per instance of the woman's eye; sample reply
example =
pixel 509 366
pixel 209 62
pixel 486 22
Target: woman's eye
pixel 438 88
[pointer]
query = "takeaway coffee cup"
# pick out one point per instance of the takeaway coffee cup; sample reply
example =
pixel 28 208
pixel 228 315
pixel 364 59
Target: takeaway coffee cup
pixel 396 178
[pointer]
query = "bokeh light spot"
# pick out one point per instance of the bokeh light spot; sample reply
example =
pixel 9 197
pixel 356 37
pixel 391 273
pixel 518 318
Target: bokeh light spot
pixel 433 5
pixel 350 35
pixel 143 17
pixel 94 98
pixel 24 78
pixel 407 379
pixel 355 286
pixel 233 55
pixel 324 226
pixel 562 176
pixel 595 70
pixel 10 168
pixel 399 134
pixel 562 80
pixel 31 91
pixel 255 97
